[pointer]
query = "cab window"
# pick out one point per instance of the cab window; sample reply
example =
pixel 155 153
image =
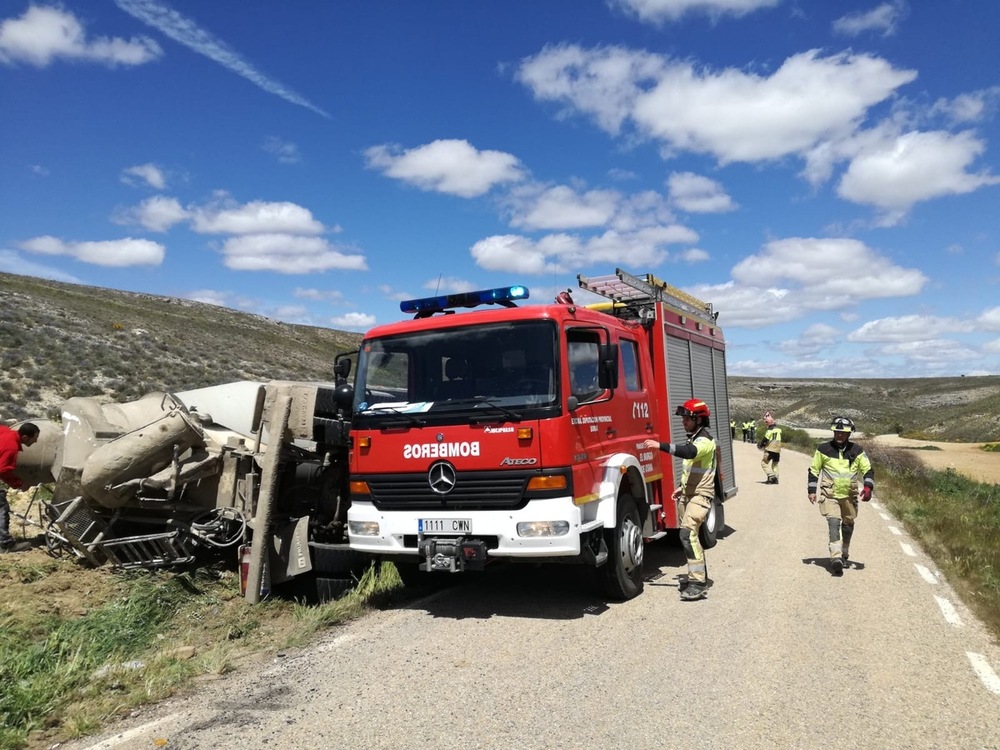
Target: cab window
pixel 629 357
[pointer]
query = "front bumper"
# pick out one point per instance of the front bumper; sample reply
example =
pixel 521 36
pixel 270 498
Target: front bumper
pixel 398 529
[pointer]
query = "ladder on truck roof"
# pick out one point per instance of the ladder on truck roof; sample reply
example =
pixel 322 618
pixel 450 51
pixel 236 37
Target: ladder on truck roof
pixel 635 292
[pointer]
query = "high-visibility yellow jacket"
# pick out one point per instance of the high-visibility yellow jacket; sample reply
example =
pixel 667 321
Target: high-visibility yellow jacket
pixel 771 441
pixel 838 470
pixel 698 467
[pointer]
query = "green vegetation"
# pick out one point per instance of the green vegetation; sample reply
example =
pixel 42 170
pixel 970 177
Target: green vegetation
pixel 65 674
pixel 955 519
pixel 991 447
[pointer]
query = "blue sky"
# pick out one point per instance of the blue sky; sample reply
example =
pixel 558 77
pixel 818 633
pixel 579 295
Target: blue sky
pixel 827 174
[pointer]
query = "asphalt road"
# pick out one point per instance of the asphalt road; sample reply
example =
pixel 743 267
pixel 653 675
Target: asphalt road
pixel 780 655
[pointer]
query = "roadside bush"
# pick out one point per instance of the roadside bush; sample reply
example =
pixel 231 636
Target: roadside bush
pixel 896 460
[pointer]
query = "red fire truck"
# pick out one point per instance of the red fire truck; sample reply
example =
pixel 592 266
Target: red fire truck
pixel 514 431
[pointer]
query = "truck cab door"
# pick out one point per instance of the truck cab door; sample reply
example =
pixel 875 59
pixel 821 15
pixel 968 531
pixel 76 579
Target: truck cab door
pixel 588 402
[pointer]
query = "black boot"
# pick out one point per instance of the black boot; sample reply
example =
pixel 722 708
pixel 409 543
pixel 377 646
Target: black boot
pixel 692 592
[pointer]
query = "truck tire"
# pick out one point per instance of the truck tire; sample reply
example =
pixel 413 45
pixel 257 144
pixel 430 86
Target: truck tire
pixel 712 527
pixel 621 576
pixel 339 560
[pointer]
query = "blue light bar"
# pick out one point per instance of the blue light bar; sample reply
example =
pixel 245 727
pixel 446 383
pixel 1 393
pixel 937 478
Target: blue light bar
pixel 504 295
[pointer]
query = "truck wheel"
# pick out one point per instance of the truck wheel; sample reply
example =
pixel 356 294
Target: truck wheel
pixel 621 575
pixel 709 532
pixel 339 560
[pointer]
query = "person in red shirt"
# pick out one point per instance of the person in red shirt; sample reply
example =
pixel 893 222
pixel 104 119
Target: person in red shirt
pixel 11 443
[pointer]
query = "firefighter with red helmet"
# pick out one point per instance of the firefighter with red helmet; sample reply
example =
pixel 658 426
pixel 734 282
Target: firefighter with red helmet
pixel 842 473
pixel 696 492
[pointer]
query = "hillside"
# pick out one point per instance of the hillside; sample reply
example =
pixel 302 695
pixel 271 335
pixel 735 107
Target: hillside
pixel 59 340
pixel 964 409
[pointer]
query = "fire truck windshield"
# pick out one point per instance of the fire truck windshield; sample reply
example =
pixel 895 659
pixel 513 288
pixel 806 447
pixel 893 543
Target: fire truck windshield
pixel 457 373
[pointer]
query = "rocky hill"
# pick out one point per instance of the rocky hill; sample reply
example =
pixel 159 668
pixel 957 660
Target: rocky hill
pixel 59 340
pixel 964 409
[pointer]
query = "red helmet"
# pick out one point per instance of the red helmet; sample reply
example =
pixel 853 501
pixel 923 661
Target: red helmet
pixel 693 408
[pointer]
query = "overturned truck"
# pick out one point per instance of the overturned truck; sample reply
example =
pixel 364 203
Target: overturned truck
pixel 258 469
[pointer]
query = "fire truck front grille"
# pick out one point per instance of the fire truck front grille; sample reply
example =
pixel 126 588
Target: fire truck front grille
pixel 480 490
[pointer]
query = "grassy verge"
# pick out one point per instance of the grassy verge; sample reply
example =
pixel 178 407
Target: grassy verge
pixel 65 674
pixel 955 519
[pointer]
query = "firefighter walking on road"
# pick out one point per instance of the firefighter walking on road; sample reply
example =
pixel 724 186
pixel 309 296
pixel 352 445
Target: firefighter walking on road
pixel 771 445
pixel 838 468
pixel 696 493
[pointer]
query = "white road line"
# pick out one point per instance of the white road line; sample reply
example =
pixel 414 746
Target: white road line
pixel 124 739
pixel 885 516
pixel 985 672
pixel 895 530
pixel 926 574
pixel 948 610
pixel 907 549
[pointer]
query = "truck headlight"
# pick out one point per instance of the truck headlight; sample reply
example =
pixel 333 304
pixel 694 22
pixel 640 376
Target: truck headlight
pixel 363 528
pixel 543 528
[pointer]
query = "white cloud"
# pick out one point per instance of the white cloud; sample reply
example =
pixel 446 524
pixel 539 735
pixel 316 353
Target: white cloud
pixel 907 328
pixel 698 194
pixel 113 253
pixel 446 166
pixel 148 173
pixel 793 277
pixel 561 207
pixel 12 262
pixel 970 107
pixel 658 11
pixel 989 320
pixel 448 285
pixel 694 255
pixel 284 151
pixel 897 172
pixel 883 19
pixel 731 114
pixel 645 247
pixel 319 295
pixel 353 321
pixel 814 339
pixel 513 253
pixel 45 34
pixel 256 217
pixel 286 253
pixel 934 354
pixel 185 31
pixel 992 347
pixel 834 272
pixel 156 214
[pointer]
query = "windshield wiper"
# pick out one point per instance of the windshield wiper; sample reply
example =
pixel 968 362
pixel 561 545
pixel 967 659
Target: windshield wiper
pixel 513 416
pixel 408 419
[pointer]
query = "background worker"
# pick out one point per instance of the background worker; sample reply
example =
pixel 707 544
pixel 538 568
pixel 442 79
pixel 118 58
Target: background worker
pixel 837 468
pixel 732 428
pixel 771 445
pixel 11 443
pixel 696 492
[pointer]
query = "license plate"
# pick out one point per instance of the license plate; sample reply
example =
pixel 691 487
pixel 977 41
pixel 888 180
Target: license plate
pixel 444 525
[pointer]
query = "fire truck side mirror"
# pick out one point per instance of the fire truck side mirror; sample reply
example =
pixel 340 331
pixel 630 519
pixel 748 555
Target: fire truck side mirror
pixel 342 367
pixel 572 403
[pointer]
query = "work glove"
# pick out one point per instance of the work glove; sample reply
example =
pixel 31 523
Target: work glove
pixel 866 494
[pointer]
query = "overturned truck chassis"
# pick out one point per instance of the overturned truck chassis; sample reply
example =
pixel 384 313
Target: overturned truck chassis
pixel 171 478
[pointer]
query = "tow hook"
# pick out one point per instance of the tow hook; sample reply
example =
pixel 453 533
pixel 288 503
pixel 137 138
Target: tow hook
pixel 451 554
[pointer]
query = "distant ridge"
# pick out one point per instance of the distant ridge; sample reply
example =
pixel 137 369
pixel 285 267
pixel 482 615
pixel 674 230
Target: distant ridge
pixel 59 340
